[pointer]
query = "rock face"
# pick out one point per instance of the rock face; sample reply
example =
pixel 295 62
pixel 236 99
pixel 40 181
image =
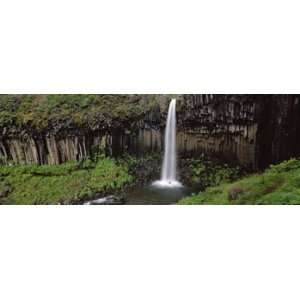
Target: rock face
pixel 223 125
pixel 254 130
pixel 278 135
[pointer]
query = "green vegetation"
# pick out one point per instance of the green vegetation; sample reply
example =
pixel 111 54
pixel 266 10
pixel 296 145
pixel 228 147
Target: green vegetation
pixel 205 172
pixel 74 182
pixel 45 112
pixel 280 184
pixel 62 184
pixel 145 169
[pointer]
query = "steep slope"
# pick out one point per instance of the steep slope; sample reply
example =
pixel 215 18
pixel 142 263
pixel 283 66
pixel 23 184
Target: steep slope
pixel 280 184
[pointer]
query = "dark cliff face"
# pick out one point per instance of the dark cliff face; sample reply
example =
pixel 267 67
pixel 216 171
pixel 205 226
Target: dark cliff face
pixel 254 130
pixel 278 135
pixel 222 124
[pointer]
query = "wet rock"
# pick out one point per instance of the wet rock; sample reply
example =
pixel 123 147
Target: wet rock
pixel 109 200
pixel 4 191
pixel 234 193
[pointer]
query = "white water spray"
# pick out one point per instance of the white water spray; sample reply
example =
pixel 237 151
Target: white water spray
pixel 169 167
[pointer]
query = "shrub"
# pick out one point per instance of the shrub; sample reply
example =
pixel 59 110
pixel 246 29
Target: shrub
pixel 205 172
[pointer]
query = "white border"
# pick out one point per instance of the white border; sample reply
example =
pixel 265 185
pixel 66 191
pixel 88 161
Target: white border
pixel 158 46
pixel 165 252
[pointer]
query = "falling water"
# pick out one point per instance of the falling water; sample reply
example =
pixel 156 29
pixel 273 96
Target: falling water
pixel 169 167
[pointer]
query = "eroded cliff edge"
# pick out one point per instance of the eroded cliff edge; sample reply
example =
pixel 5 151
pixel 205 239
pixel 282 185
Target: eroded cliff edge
pixel 254 130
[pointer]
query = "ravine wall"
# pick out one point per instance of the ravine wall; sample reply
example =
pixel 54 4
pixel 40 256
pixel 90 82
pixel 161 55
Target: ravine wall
pixel 253 130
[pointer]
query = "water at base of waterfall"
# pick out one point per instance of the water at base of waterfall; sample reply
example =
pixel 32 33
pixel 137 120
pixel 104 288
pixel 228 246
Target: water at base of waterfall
pixel 155 195
pixel 167 184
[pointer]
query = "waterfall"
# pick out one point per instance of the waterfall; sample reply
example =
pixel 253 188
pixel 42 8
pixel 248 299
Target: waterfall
pixel 169 163
pixel 169 167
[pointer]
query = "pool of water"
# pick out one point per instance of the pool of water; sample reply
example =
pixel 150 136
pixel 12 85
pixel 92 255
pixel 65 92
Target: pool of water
pixel 156 195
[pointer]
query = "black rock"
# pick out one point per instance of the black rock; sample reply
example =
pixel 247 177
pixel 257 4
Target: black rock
pixel 5 191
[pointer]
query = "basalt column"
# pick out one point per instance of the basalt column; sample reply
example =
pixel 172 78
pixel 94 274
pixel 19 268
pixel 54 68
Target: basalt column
pixel 278 136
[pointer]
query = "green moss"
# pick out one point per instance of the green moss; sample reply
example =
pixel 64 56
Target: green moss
pixel 279 184
pixel 43 112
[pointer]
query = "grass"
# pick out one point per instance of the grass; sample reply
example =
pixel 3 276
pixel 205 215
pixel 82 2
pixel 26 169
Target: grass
pixel 62 184
pixel 280 184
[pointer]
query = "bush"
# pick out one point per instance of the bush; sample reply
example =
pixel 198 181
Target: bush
pixel 204 172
